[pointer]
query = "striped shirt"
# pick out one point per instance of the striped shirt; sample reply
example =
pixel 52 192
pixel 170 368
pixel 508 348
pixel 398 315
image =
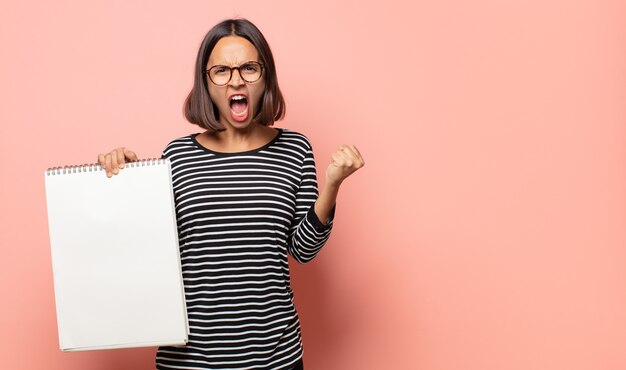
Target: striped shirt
pixel 238 215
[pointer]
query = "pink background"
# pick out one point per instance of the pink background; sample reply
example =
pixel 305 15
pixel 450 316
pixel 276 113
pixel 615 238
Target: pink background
pixel 486 231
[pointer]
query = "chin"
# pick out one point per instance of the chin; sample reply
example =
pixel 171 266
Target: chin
pixel 239 124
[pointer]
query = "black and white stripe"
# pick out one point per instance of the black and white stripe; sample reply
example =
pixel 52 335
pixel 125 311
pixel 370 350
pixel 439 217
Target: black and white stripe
pixel 239 214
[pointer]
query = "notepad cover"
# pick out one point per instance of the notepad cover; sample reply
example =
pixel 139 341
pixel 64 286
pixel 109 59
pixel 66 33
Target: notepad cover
pixel 115 257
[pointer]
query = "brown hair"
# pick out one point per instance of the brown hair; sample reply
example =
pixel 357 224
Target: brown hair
pixel 198 107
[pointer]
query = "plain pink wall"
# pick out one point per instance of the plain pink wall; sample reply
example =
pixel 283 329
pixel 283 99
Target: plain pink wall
pixel 486 231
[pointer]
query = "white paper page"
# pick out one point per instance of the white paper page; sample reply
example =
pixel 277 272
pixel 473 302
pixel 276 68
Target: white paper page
pixel 116 260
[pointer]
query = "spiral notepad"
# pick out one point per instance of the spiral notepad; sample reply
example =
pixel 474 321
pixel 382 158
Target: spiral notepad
pixel 115 257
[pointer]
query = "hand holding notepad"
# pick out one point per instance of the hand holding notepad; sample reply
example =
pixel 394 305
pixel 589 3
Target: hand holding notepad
pixel 115 257
pixel 115 160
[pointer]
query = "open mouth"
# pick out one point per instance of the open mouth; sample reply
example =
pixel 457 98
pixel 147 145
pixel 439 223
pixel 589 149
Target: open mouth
pixel 239 107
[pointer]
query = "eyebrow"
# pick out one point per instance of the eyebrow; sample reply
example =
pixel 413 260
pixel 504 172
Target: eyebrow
pixel 234 65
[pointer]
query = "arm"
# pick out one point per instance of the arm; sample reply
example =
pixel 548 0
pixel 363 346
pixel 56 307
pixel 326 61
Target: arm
pixel 326 202
pixel 314 214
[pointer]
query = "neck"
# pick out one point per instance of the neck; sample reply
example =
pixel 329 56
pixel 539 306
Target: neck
pixel 234 135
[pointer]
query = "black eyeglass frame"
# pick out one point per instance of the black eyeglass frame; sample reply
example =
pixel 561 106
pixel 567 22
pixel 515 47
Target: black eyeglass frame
pixel 231 69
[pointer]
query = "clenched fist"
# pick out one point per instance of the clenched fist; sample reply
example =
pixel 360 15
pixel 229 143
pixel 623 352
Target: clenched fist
pixel 345 162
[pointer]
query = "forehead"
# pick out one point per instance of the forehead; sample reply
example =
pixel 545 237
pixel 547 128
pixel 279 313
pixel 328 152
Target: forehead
pixel 233 50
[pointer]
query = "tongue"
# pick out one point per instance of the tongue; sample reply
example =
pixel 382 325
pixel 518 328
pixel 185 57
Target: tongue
pixel 238 106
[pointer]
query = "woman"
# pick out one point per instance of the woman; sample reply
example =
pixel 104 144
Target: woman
pixel 246 195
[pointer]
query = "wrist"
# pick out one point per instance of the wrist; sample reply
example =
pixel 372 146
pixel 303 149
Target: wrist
pixel 332 184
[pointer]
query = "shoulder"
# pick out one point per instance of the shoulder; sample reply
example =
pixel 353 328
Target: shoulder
pixel 178 145
pixel 296 139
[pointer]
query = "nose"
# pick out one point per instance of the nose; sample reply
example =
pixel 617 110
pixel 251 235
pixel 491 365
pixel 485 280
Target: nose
pixel 235 78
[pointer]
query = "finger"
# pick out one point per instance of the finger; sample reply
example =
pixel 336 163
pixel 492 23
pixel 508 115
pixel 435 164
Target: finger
pixel 107 164
pixel 101 160
pixel 347 159
pixel 120 157
pixel 357 152
pixel 114 163
pixel 337 159
pixel 354 154
pixel 349 151
pixel 130 155
pixel 358 156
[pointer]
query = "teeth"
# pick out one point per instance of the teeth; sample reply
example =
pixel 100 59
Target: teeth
pixel 238 97
pixel 241 114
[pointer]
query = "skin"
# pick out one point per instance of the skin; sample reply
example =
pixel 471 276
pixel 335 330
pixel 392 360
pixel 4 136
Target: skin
pixel 239 136
pixel 248 135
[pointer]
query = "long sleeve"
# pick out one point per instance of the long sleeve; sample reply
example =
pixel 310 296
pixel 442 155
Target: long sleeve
pixel 308 234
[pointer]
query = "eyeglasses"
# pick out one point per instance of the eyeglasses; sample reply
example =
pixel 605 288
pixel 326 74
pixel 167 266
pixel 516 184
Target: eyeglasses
pixel 221 75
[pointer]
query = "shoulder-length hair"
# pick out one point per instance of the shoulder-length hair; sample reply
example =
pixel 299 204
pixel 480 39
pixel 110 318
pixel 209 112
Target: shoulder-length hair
pixel 199 108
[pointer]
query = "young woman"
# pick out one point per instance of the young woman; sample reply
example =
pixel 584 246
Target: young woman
pixel 246 195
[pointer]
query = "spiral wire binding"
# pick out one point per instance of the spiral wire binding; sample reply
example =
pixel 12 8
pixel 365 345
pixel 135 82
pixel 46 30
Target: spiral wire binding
pixel 96 167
